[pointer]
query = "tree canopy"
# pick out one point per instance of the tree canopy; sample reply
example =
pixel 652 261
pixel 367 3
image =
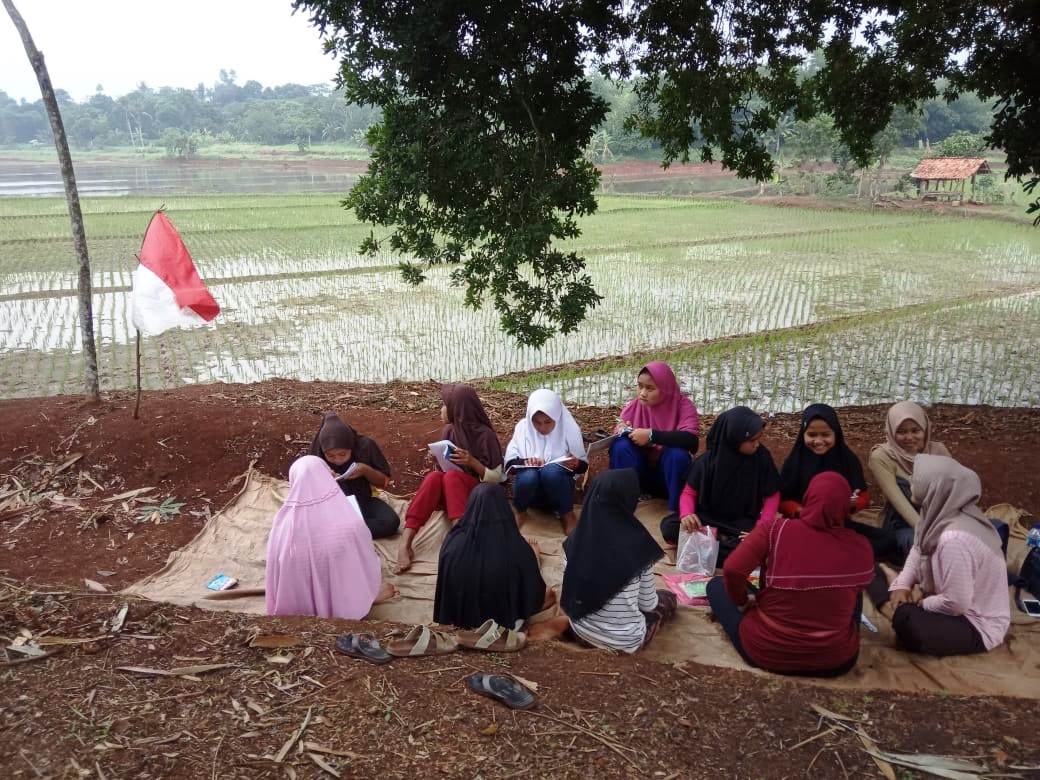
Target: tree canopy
pixel 488 107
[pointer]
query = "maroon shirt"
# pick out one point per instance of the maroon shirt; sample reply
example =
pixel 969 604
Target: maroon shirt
pixel 790 630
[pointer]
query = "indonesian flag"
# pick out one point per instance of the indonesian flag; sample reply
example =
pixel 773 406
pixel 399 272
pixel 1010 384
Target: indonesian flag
pixel 167 290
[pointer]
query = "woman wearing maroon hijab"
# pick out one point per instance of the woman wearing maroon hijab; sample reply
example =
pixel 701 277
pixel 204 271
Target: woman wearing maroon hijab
pixel 805 619
pixel 664 425
pixel 478 455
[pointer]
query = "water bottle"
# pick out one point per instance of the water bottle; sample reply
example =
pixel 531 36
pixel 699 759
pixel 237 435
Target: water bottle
pixel 1033 540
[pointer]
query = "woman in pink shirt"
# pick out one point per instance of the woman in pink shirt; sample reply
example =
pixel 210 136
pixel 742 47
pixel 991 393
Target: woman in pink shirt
pixel 958 564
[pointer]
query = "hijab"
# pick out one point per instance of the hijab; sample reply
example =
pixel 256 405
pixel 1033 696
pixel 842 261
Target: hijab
pixel 609 548
pixel 949 494
pixel 898 414
pixel 469 426
pixel 320 556
pixel 563 440
pixel 816 550
pixel 486 568
pixel 730 485
pixel 334 434
pixel 803 464
pixel 674 412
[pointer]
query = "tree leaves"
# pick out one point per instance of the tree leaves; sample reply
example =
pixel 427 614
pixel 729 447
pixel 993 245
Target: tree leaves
pixel 487 110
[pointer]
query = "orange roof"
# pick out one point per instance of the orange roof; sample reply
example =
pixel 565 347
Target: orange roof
pixel 955 168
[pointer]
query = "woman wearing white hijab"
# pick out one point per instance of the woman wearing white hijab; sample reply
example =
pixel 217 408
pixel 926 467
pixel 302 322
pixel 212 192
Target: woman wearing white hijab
pixel 958 563
pixel 546 452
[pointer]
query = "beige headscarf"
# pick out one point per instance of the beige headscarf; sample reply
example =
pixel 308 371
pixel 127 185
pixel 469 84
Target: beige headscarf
pixel 949 495
pixel 898 414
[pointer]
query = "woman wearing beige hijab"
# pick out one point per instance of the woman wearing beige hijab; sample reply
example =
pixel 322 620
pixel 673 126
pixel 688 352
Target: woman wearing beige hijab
pixel 908 433
pixel 958 564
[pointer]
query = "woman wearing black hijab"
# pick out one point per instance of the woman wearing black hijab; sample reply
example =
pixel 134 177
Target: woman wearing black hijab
pixel 608 583
pixel 821 447
pixel 343 448
pixel 732 486
pixel 486 569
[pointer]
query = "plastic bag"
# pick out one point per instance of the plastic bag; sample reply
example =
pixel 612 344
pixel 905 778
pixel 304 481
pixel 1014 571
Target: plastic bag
pixel 698 552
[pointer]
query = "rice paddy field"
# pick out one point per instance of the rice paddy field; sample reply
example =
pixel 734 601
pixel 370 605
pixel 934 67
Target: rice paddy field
pixel 774 307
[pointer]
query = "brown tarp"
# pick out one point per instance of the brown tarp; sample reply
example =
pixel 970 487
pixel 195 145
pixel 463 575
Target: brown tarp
pixel 234 543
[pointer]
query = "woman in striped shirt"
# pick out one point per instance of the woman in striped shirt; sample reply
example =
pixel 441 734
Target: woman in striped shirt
pixel 608 598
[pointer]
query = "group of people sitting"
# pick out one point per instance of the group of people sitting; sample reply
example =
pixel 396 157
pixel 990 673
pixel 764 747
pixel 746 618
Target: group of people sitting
pixel 793 526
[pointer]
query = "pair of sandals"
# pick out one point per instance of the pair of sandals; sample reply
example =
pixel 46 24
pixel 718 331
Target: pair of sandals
pixel 423 641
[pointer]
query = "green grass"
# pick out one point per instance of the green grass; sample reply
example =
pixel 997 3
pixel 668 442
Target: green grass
pixel 300 301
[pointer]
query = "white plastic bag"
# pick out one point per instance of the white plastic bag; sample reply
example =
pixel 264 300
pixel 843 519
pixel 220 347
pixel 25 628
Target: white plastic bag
pixel 697 552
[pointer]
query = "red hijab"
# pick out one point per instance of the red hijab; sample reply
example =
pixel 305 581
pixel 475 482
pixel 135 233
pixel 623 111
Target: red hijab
pixel 816 550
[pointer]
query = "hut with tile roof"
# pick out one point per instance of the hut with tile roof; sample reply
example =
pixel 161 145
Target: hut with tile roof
pixel 946 178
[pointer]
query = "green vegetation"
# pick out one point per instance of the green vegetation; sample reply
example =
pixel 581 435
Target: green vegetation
pixel 795 304
pixel 490 122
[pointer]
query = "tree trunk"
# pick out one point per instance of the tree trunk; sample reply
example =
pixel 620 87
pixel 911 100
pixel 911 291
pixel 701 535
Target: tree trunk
pixel 79 236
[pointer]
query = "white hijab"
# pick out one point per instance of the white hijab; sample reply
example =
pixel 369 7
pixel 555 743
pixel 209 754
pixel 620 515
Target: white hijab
pixel 563 440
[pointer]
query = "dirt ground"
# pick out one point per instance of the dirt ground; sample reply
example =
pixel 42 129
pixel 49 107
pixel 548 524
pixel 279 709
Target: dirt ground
pixel 77 714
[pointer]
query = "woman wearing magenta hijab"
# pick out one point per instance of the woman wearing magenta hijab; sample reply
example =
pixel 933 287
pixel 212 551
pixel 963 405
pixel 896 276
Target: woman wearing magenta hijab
pixel 664 426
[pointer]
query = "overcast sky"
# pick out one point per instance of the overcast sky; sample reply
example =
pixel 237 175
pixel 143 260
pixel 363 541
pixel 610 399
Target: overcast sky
pixel 119 43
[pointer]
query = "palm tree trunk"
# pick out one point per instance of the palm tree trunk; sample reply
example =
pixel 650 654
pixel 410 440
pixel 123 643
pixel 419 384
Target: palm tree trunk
pixel 79 236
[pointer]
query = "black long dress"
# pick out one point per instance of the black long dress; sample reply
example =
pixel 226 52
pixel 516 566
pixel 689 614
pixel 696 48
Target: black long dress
pixel 486 569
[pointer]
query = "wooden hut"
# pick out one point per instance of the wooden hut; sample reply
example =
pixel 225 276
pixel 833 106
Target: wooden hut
pixel 945 178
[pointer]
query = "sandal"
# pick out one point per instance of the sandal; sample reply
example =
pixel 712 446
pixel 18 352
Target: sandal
pixel 422 641
pixel 363 646
pixel 503 689
pixel 493 638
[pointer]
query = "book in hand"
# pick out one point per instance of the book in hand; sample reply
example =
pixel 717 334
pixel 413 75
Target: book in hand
pixel 350 473
pixel 560 461
pixel 442 451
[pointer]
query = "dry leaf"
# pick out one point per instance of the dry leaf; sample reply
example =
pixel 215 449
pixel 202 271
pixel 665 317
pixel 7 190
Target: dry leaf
pixel 533 686
pixel 280 659
pixel 179 671
pixel 97 587
pixel 490 731
pixel 323 764
pixel 314 747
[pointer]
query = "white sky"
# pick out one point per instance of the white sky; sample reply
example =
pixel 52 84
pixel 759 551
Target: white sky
pixel 119 43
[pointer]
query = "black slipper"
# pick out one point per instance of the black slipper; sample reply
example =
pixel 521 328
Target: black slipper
pixel 363 646
pixel 503 689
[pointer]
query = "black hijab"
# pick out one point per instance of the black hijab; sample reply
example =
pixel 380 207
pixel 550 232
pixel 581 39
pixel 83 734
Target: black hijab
pixel 334 434
pixel 731 486
pixel 486 569
pixel 609 547
pixel 803 464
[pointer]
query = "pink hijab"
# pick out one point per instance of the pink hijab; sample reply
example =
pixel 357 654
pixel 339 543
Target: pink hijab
pixel 320 556
pixel 675 412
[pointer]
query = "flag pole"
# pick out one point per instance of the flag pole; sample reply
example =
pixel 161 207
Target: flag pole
pixel 137 405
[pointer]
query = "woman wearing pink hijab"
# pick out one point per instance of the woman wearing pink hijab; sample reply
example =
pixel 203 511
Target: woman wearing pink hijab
pixel 320 557
pixel 663 438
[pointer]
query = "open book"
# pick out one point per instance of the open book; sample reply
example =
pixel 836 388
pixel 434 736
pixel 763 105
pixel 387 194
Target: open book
pixel 519 466
pixel 441 451
pixel 348 474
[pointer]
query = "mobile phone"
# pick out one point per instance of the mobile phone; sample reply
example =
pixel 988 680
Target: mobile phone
pixel 1031 607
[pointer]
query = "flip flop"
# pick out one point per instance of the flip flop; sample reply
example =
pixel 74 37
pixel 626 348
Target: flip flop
pixel 422 641
pixel 503 689
pixel 493 638
pixel 363 646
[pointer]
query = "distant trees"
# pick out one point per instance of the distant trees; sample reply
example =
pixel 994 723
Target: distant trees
pixel 251 112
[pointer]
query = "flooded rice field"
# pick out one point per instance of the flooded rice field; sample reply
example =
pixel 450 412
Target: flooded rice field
pixel 939 309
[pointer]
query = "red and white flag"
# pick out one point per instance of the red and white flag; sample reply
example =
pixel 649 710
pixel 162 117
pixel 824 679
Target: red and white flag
pixel 167 290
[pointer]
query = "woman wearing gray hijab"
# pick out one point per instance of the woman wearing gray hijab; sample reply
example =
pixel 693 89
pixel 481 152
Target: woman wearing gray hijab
pixel 958 564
